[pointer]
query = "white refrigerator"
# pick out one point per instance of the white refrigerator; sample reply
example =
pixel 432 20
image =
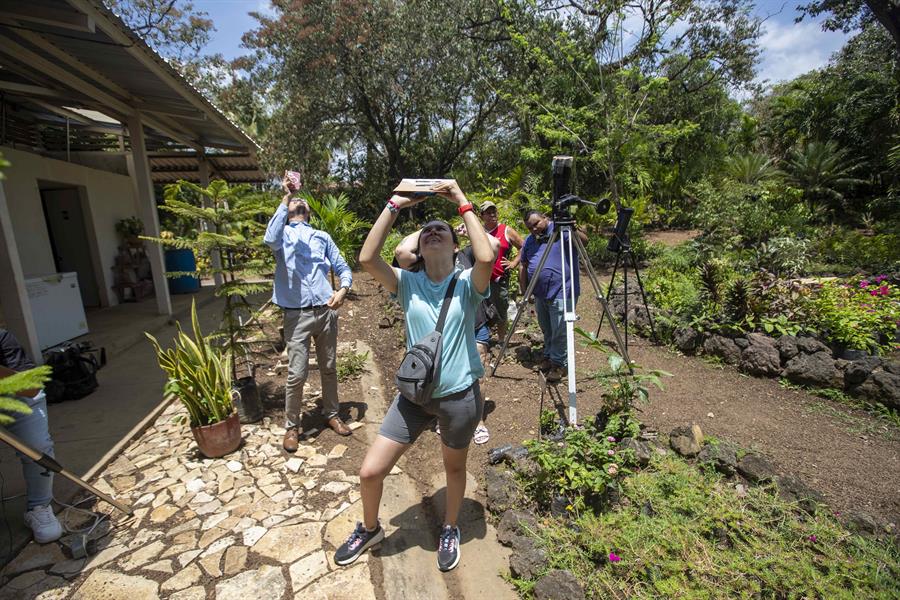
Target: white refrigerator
pixel 56 308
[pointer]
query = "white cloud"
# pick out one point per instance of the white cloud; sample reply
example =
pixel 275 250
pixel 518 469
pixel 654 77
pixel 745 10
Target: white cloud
pixel 791 49
pixel 265 7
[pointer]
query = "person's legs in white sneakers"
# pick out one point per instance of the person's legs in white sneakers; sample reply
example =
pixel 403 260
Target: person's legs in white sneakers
pixel 34 431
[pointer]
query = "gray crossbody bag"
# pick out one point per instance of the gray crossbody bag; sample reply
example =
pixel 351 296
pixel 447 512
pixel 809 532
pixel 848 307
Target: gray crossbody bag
pixel 421 365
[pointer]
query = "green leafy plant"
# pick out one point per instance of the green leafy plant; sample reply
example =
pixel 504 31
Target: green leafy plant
pixel 750 168
pixel 198 374
pixel 12 386
pixel 860 313
pixel 680 532
pixel 580 466
pixel 624 384
pixel 548 420
pixel 332 215
pixel 130 227
pixel 737 301
pixel 351 364
pixel 823 171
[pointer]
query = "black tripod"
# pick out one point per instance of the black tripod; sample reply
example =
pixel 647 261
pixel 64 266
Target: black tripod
pixel 621 245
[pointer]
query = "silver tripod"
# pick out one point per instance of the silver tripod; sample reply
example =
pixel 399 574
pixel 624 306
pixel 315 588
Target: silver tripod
pixel 565 231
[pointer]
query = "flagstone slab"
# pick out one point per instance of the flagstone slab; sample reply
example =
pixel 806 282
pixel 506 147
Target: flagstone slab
pixel 235 560
pixel 211 563
pixel 198 592
pixel 289 543
pixel 342 584
pixel 265 582
pixel 161 566
pixel 34 556
pixel 104 584
pixel 142 556
pixel 308 569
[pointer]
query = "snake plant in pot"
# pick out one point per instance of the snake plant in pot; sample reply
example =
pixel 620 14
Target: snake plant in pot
pixel 199 375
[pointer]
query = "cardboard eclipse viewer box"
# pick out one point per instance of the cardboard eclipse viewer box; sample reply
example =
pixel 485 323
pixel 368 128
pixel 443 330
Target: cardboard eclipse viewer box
pixel 419 186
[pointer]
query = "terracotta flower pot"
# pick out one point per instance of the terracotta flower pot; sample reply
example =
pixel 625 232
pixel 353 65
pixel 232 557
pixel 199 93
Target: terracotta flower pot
pixel 219 438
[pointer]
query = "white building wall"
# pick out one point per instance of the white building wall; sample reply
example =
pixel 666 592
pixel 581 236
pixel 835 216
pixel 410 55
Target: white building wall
pixel 110 197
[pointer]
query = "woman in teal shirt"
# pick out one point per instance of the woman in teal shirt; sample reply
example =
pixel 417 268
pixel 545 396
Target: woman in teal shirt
pixel 456 400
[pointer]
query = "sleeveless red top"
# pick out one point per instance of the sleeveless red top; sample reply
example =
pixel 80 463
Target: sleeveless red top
pixel 499 232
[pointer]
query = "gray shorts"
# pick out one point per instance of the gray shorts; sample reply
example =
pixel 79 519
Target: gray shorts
pixel 458 415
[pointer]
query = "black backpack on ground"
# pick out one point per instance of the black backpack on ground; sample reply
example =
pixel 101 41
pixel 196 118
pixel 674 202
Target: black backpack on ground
pixel 75 369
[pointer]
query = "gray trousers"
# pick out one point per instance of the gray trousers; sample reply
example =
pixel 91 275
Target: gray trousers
pixel 299 326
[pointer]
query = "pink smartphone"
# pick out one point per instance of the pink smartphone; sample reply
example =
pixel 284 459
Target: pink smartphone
pixel 293 180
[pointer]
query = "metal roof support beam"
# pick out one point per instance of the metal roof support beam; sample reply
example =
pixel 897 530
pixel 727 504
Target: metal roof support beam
pixel 147 211
pixel 47 15
pixel 66 77
pixel 13 294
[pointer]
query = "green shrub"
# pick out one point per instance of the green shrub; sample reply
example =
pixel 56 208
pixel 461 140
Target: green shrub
pixel 869 253
pixel 671 281
pixel 737 215
pixel 860 314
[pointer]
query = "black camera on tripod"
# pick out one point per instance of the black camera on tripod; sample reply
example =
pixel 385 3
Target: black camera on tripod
pixel 563 198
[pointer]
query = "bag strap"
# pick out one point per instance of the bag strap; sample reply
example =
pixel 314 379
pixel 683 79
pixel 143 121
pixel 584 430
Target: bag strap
pixel 446 305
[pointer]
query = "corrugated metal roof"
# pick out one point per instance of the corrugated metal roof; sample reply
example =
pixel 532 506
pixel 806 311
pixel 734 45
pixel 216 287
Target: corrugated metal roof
pixel 110 69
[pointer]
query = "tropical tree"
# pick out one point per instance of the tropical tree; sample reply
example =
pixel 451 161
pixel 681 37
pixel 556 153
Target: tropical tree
pixel 589 85
pixel 332 215
pixel 380 89
pixel 231 229
pixel 823 172
pixel 750 168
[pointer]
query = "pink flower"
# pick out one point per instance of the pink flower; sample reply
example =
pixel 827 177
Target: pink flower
pixel 874 292
pixel 611 439
pixel 880 278
pixel 613 557
pixel 612 469
pixel 610 452
pixel 864 283
pixel 885 290
pixel 812 539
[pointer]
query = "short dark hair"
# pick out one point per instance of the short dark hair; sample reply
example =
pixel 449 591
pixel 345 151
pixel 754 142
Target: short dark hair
pixel 531 213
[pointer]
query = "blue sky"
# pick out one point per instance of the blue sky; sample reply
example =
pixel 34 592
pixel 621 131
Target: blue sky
pixel 788 49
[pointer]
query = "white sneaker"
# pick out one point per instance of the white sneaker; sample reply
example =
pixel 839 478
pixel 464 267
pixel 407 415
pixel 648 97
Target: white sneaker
pixel 44 524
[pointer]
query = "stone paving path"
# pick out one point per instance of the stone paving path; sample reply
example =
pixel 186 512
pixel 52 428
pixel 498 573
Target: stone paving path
pixel 238 526
pixel 257 524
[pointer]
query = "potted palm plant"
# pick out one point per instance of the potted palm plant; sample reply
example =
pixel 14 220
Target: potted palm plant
pixel 199 375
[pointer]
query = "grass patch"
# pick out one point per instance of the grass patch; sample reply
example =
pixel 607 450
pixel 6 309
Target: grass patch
pixel 686 534
pixel 351 364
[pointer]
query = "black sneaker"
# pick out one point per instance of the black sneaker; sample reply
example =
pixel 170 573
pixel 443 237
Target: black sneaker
pixel 448 548
pixel 359 541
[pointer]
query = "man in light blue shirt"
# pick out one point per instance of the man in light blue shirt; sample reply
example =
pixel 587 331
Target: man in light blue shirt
pixel 303 259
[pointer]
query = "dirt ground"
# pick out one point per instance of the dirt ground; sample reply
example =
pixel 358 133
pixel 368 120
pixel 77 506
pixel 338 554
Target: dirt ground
pixel 850 456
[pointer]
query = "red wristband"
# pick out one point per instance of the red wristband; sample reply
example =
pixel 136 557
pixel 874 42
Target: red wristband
pixel 464 208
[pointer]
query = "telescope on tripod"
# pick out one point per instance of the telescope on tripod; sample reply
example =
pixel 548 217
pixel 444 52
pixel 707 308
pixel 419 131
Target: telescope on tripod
pixel 571 251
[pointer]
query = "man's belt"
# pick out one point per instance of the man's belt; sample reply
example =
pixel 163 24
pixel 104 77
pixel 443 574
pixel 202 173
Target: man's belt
pixel 309 308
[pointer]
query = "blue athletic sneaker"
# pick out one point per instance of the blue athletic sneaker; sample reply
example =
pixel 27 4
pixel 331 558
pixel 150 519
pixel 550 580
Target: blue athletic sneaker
pixel 359 541
pixel 448 548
